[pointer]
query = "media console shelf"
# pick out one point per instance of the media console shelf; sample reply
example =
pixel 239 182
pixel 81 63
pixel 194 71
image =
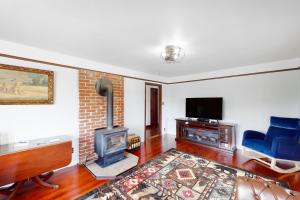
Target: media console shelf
pixel 218 135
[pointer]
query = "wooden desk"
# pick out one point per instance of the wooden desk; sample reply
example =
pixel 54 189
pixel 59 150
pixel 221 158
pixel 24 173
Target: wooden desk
pixel 20 162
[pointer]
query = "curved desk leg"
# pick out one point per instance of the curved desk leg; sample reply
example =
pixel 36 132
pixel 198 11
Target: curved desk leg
pixel 12 190
pixel 16 189
pixel 46 176
pixel 38 180
pixel 8 190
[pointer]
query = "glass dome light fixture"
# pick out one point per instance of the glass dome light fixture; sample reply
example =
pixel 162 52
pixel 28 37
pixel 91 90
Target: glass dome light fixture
pixel 172 54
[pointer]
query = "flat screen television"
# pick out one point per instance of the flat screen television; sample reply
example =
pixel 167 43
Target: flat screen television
pixel 204 108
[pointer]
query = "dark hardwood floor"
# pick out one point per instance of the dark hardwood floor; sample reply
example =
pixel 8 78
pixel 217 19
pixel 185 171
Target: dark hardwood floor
pixel 152 131
pixel 76 180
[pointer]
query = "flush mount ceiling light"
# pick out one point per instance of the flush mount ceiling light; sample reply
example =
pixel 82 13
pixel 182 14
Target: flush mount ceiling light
pixel 172 54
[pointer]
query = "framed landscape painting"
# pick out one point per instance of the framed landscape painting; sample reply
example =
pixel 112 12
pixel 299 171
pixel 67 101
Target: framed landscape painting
pixel 22 85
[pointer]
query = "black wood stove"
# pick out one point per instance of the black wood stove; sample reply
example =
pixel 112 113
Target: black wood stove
pixel 110 142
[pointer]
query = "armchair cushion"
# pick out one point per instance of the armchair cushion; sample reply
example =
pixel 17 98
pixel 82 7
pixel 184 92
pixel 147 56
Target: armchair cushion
pixel 256 140
pixel 283 127
pixel 275 132
pixel 282 122
pixel 286 148
pixel 259 145
pixel 250 134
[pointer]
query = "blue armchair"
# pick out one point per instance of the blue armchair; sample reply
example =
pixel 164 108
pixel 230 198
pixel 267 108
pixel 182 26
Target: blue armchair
pixel 280 143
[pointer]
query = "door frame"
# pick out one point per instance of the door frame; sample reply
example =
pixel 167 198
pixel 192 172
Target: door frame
pixel 154 98
pixel 159 107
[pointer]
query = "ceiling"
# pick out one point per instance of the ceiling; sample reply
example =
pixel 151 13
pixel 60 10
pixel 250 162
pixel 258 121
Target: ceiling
pixel 215 34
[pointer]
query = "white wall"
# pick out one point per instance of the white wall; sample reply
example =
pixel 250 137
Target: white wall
pixel 249 101
pixel 134 106
pixel 25 122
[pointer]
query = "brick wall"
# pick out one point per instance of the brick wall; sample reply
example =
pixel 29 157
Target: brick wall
pixel 93 109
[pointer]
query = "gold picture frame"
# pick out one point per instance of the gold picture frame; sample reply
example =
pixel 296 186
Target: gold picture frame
pixel 22 85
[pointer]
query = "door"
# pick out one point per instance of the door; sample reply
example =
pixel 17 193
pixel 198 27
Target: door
pixel 154 107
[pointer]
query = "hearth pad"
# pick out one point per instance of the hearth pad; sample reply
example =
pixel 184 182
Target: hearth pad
pixel 115 169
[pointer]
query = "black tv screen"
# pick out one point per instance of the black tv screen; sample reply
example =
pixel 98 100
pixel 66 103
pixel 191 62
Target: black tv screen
pixel 204 108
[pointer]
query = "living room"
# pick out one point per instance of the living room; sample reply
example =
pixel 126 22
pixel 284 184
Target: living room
pixel 149 100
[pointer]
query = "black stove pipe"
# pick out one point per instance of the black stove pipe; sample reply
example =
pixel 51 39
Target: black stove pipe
pixel 104 87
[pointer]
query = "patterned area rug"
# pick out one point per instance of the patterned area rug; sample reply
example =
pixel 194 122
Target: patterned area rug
pixel 174 175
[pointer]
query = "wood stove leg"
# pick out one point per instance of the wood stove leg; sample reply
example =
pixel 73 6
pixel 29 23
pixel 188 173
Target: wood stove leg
pixel 46 176
pixel 41 182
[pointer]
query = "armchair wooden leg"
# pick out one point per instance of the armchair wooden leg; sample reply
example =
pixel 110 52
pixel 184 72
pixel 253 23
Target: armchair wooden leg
pixel 296 174
pixel 247 162
pixel 41 182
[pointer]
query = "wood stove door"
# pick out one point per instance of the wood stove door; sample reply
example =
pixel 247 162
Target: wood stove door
pixel 115 142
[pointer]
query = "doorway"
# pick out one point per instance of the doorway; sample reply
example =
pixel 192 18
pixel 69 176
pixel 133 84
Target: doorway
pixel 153 103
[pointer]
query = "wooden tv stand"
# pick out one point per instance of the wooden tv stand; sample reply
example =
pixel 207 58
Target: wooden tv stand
pixel 217 135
